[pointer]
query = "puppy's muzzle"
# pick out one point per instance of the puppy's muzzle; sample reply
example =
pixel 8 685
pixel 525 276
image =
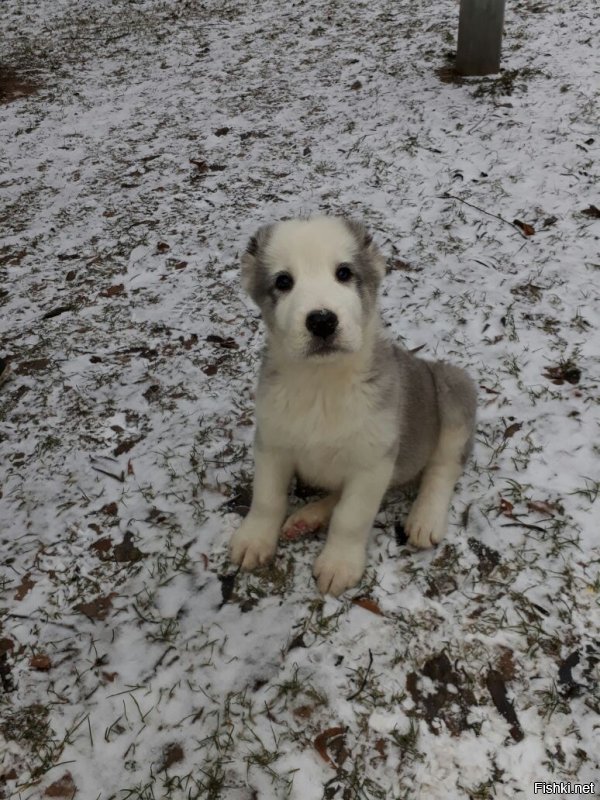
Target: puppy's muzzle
pixel 322 323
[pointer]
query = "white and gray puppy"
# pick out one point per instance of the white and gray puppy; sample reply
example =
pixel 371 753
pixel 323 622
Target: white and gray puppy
pixel 340 405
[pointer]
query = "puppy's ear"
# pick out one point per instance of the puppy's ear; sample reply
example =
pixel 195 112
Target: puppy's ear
pixel 251 257
pixel 367 247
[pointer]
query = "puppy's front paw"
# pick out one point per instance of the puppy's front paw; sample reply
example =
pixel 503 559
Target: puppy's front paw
pixel 426 524
pixel 305 521
pixel 337 569
pixel 252 545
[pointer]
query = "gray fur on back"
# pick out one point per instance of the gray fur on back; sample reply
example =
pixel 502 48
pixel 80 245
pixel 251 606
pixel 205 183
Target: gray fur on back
pixel 428 396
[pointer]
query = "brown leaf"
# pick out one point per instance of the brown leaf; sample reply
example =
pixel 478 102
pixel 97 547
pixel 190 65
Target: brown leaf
pixel 400 264
pixel 487 557
pixel 25 367
pixel 113 291
pixel 41 662
pixel 63 787
pixel 126 446
pixel 162 247
pixel 565 371
pixel 6 645
pixel 222 131
pixel 527 229
pixel 506 507
pixel 506 664
pixel 26 586
pixel 127 551
pixel 110 508
pixel 303 712
pixel 327 739
pixel 368 604
pixel 130 468
pixel 228 343
pixel 487 390
pixel 512 429
pixel 356 85
pixel 497 689
pixel 109 677
pixel 97 609
pixel 381 747
pixel 200 164
pixel 542 507
pixel 189 343
pixel 592 211
pixel 173 754
pixel 102 546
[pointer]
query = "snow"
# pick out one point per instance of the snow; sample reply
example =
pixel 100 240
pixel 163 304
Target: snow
pixel 122 427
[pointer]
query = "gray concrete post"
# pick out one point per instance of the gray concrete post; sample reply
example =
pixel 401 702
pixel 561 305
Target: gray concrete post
pixel 479 36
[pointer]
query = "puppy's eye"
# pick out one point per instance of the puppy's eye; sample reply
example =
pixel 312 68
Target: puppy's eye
pixel 284 282
pixel 343 273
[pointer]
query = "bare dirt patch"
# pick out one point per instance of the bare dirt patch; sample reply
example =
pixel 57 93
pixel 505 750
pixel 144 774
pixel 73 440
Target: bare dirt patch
pixel 14 86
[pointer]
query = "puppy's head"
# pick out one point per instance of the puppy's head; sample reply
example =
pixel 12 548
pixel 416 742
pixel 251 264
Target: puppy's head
pixel 315 282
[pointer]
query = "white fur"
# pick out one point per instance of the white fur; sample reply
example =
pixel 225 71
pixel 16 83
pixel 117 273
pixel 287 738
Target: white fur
pixel 310 254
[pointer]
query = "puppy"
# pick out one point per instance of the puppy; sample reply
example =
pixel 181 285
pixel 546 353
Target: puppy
pixel 340 405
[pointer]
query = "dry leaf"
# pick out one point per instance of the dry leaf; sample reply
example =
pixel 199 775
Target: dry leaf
pixel 506 664
pixel 63 787
pixel 6 645
pixel 200 164
pixel 527 229
pixel 368 604
pixel 542 507
pixel 102 546
pixel 173 754
pixel 506 508
pixel 497 689
pixel 303 712
pixel 228 343
pixel 41 662
pixel 512 429
pixel 592 211
pixel 97 609
pixel 113 291
pixel 127 551
pixel 381 747
pixel 326 739
pixel 25 367
pixel 565 371
pixel 26 586
pixel 126 446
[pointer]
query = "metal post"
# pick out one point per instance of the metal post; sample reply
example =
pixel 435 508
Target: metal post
pixel 479 36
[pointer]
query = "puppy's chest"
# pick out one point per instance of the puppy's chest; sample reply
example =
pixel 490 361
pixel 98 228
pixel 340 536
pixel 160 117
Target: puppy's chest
pixel 330 430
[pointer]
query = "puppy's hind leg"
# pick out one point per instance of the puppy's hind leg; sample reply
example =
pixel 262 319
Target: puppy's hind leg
pixel 310 518
pixel 428 519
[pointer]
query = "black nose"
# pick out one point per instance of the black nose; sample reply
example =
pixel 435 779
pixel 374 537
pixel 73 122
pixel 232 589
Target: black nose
pixel 321 323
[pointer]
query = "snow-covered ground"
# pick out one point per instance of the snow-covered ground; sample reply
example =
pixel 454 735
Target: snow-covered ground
pixel 141 143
